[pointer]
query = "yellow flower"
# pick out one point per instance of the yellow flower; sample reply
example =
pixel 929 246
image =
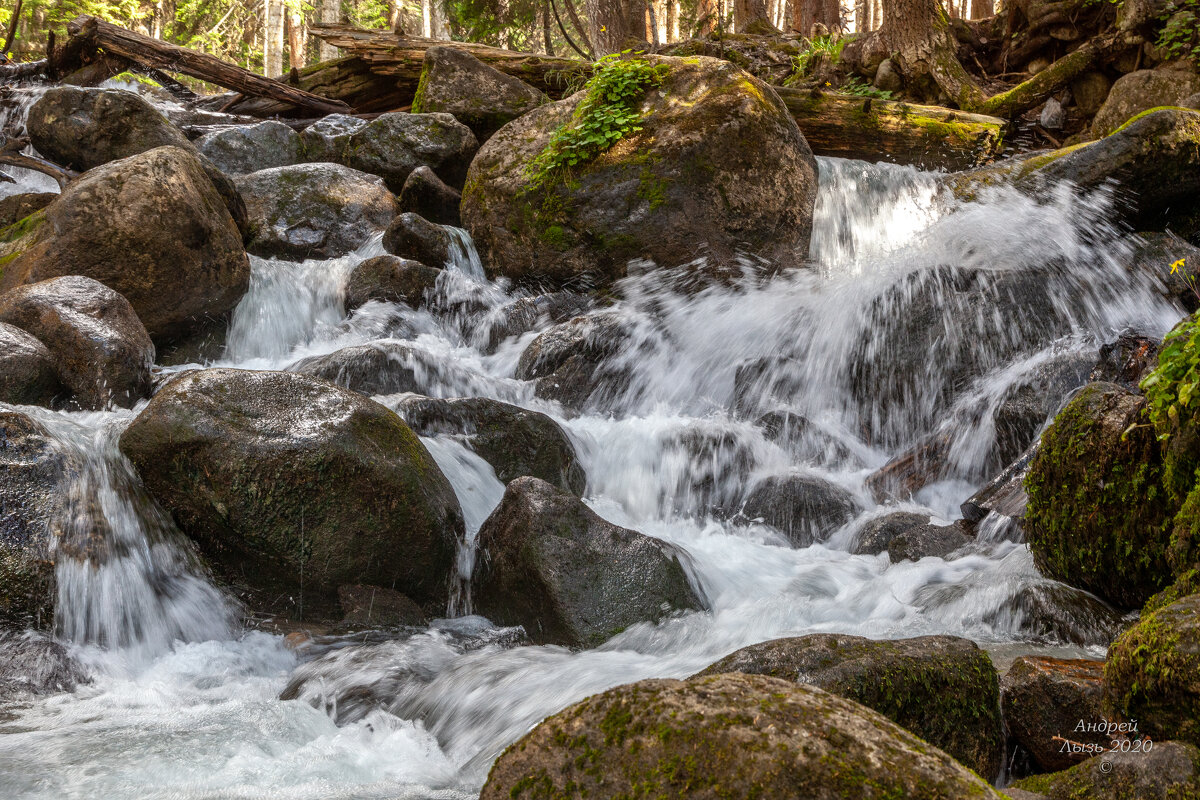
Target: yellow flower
pixel 1175 267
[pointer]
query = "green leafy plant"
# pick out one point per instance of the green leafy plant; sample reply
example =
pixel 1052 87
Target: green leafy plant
pixel 1180 33
pixel 803 61
pixel 608 113
pixel 860 88
pixel 1173 388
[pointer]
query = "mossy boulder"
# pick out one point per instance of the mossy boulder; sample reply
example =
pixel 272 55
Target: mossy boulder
pixel 101 351
pixel 1152 673
pixel 551 564
pixel 292 487
pixel 314 210
pixel 394 144
pixel 479 96
pixel 1098 517
pixel 17 207
pixel 804 508
pixel 1044 698
pixel 1169 771
pixel 1141 91
pixel 736 737
pixel 27 372
pixel 717 166
pixel 151 227
pixel 328 139
pixel 250 148
pixel 390 279
pixel 941 688
pixel 514 440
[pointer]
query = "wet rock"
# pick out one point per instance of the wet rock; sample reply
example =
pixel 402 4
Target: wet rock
pixel 1152 673
pixel 1053 116
pixel 807 441
pixel 151 227
pixel 941 688
pixel 17 207
pixel 1170 770
pixel 412 236
pixel 804 509
pixel 483 98
pixel 1055 613
pixel 328 139
pixel 572 361
pixel 390 279
pixel 761 383
pixel 394 144
pixel 293 487
pixel 528 313
pixel 925 541
pixel 737 736
pixel 1030 404
pixel 1045 697
pixel 1096 516
pixel 1004 495
pixel 1090 90
pixel 709 462
pixel 877 534
pixel 250 148
pixel 515 441
pixel 376 607
pixel 27 372
pixel 907 473
pixel 1126 361
pixel 692 181
pixel 314 210
pixel 32 664
pixel 425 194
pixel 381 367
pixel 549 563
pixel 1141 91
pixel 1154 255
pixel 101 351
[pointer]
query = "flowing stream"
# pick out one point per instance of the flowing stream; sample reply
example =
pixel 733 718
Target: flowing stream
pixel 184 703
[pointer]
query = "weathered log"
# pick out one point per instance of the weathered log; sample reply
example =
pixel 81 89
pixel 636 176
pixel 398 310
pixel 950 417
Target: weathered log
pixel 348 79
pixel 848 126
pixel 22 70
pixel 158 54
pixel 11 155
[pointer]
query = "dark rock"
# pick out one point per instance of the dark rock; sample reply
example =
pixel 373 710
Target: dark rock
pixel 32 664
pixel 1090 90
pixel 691 181
pixel 390 279
pixel 1126 361
pixel 1030 404
pixel 412 236
pixel 514 440
pixel 1155 254
pixel 804 509
pixel 314 210
pixel 710 463
pixel 294 487
pixel 805 440
pixel 425 194
pixel 394 144
pixel 101 351
pixel 242 150
pixel 572 361
pixel 734 736
pixel 1044 698
pixel 1004 496
pixel 1055 613
pixel 941 688
pixel 479 96
pixel 907 473
pixel 549 563
pixel 376 607
pixel 17 207
pixel 1169 771
pixel 27 372
pixel 328 139
pixel 877 534
pixel 528 313
pixel 1141 91
pixel 381 367
pixel 151 227
pixel 937 541
pixel 762 383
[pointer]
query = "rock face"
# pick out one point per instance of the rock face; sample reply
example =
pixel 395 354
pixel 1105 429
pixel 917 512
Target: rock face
pixel 941 688
pixel 376 607
pixel 549 563
pixel 101 351
pixel 1044 697
pixel 484 99
pixel 1097 517
pixel 314 210
pixel 286 481
pixel 1153 672
pixel 804 509
pixel 33 664
pixel 717 167
pixel 27 373
pixel 394 144
pixel 391 279
pixel 515 441
pixel 425 194
pixel 1141 91
pixel 1170 771
pixel 238 151
pixel 412 236
pixel 151 227
pixel 728 736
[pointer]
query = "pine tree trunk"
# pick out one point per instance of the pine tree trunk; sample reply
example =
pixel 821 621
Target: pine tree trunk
pixel 547 39
pixel 673 20
pixel 329 11
pixel 297 39
pixel 615 24
pixel 750 15
pixel 982 9
pixel 706 16
pixel 273 46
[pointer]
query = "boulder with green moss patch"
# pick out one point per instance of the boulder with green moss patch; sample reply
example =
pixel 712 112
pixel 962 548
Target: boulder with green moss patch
pixel 293 487
pixel 249 148
pixel 479 96
pixel 394 144
pixel 1169 771
pixel 1141 91
pixel 736 737
pixel 707 162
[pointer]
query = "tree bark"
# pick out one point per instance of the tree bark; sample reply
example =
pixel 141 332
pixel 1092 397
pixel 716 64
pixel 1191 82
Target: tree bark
pixel 329 14
pixel 547 39
pixel 297 39
pixel 750 16
pixel 982 9
pixel 706 16
pixel 615 24
pixel 273 49
pixel 672 20
pixel 807 13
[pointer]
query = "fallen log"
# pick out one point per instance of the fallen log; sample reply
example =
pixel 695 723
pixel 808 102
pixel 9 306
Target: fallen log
pixel 157 54
pixel 348 79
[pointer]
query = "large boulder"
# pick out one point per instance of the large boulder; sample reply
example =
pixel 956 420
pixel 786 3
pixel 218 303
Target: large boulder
pixel 715 166
pixel 1166 771
pixel 725 736
pixel 941 688
pixel 380 367
pixel 514 440
pixel 394 144
pixel 27 372
pixel 292 485
pixel 481 97
pixel 551 564
pixel 33 664
pixel 250 148
pixel 1152 673
pixel 151 227
pixel 573 363
pixel 1141 91
pixel 412 236
pixel 314 210
pixel 877 533
pixel 927 541
pixel 102 352
pixel 424 193
pixel 390 279
pixel 328 139
pixel 1048 700
pixel 1097 516
pixel 804 508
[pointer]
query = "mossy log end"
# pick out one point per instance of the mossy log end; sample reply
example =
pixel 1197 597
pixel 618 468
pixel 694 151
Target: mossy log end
pixel 848 126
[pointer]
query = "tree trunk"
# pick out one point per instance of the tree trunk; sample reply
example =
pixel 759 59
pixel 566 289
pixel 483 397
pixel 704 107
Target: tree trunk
pixel 917 32
pixel 547 39
pixel 273 46
pixel 329 13
pixel 706 16
pixel 862 16
pixel 615 24
pixel 982 9
pixel 672 20
pixel 297 39
pixel 750 16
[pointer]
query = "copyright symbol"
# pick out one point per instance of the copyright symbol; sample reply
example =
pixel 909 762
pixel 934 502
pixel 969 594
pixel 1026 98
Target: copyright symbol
pixel 1105 766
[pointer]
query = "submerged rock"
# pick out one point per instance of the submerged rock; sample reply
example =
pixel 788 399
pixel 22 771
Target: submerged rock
pixel 1168 771
pixel 1044 698
pixel 941 688
pixel 1055 613
pixel 877 534
pixel 27 372
pixel 425 194
pixel 250 148
pixel 731 736
pixel 479 96
pixel 926 541
pixel 101 351
pixel 549 563
pixel 394 144
pixel 391 279
pixel 527 313
pixel 572 362
pixel 314 210
pixel 33 664
pixel 717 167
pixel 804 509
pixel 381 367
pixel 294 487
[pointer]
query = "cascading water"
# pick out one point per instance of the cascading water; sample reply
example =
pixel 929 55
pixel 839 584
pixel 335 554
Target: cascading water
pixel 920 317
